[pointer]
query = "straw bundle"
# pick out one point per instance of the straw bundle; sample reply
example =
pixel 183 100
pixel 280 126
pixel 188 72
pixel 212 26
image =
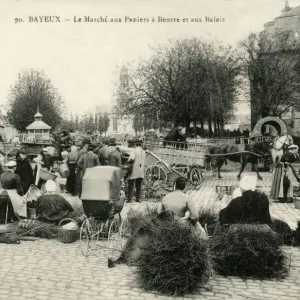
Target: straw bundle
pixel 173 260
pixel 249 251
pixel 38 229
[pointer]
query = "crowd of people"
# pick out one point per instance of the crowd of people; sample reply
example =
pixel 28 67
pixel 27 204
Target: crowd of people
pixel 19 176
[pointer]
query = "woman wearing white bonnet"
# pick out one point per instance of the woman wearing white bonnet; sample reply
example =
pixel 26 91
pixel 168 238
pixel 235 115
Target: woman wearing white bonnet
pixel 247 183
pixel 50 187
pixel 51 206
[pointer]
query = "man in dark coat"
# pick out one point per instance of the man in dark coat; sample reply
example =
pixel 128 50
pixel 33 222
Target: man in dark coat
pixel 115 159
pixel 79 168
pixel 103 154
pixel 24 170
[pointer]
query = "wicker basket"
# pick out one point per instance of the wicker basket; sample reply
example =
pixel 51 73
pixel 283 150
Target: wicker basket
pixel 66 235
pixel 45 175
pixel 297 202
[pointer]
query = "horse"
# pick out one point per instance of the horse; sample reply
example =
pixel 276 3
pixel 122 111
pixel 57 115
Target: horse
pixel 278 146
pixel 249 154
pixel 175 137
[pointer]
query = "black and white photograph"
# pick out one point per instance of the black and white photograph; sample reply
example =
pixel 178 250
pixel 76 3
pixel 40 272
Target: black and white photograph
pixel 150 149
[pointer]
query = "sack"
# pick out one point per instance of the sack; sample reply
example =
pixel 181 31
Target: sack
pixel 64 170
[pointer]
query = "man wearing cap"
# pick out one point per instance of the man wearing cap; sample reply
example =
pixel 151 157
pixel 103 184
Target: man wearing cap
pixel 11 183
pixel 24 170
pixel 79 170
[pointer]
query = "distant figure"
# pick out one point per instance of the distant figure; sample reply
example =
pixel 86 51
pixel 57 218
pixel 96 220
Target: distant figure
pixel 88 160
pixel 79 168
pixel 71 161
pixel 115 159
pixel 24 170
pixel 137 158
pixel 104 154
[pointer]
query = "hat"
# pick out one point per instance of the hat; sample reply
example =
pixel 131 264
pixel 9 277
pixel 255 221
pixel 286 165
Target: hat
pixel 45 149
pixel 50 186
pixel 65 153
pixel 11 164
pixel 248 183
pixel 293 146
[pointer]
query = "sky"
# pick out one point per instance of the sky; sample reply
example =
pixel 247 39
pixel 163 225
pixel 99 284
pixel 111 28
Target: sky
pixel 83 59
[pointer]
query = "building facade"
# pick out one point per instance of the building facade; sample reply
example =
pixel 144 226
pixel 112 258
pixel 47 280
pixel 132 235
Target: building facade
pixel 117 125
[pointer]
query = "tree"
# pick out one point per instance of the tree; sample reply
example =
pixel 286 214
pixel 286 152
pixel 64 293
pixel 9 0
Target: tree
pixel 76 122
pixel 273 68
pixel 106 122
pixel 185 81
pixel 33 91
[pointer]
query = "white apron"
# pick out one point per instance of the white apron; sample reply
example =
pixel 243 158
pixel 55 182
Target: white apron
pixel 18 202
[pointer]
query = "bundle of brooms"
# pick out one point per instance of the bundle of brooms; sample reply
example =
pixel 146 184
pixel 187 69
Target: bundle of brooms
pixel 173 260
pixel 249 251
pixel 34 228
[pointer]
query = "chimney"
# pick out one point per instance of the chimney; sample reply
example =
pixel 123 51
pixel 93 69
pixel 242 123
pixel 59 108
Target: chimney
pixel 286 7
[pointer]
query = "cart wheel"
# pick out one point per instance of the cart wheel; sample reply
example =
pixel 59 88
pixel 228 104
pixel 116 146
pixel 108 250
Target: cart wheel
pixel 125 232
pixel 157 171
pixel 114 245
pixel 89 236
pixel 195 176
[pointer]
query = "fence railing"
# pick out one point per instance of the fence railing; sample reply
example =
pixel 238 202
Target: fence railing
pixel 35 138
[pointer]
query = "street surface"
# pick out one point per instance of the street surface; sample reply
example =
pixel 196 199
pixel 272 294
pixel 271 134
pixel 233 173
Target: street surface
pixel 49 269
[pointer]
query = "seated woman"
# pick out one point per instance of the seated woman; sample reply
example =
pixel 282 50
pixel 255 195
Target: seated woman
pixel 183 206
pixel 51 206
pixel 250 208
pixel 12 204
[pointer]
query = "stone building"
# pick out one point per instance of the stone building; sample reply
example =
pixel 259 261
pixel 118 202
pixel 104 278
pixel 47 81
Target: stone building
pixel 287 21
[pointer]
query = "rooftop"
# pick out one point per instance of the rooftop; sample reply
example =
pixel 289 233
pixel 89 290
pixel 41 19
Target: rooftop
pixel 38 124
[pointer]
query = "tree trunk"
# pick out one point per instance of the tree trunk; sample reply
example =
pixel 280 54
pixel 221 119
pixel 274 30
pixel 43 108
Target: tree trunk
pixel 215 128
pixel 209 128
pixel 195 128
pixel 202 124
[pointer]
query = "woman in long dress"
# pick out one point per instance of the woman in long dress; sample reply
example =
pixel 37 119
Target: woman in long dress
pixel 285 176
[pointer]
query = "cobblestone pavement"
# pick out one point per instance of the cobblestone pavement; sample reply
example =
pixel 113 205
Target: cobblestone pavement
pixel 48 269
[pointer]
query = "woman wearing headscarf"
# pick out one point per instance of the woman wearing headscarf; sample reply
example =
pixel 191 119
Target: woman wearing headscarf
pixel 71 161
